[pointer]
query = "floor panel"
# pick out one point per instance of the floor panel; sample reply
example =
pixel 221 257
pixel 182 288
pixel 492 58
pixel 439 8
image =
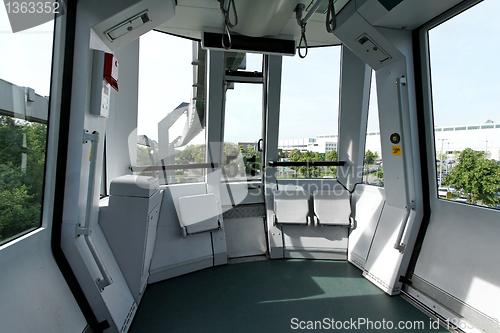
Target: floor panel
pixel 275 296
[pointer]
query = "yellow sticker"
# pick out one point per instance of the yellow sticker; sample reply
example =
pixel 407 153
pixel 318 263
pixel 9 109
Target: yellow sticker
pixel 90 155
pixel 396 150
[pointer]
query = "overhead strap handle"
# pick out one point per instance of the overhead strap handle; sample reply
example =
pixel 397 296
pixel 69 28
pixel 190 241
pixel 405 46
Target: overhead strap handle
pixel 225 7
pixel 228 34
pixel 303 39
pixel 225 12
pixel 299 9
pixel 331 19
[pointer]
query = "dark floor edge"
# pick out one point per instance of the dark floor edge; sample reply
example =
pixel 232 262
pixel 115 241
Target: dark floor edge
pixel 238 260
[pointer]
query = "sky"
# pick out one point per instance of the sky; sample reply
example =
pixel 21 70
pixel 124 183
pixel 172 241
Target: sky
pixel 464 54
pixel 26 56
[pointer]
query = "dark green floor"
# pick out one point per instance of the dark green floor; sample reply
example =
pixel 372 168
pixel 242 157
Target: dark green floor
pixel 266 296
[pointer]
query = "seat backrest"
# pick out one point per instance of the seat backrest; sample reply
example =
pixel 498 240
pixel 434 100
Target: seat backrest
pixel 291 205
pixel 198 213
pixel 332 207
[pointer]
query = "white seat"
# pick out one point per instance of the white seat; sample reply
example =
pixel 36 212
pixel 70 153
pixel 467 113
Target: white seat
pixel 291 205
pixel 198 213
pixel 332 207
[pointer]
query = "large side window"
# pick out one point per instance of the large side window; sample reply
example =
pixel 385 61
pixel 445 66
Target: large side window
pixel 309 112
pixel 24 87
pixel 171 115
pixel 465 86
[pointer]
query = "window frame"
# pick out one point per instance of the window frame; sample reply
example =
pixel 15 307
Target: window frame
pixel 51 138
pixel 244 77
pixel 312 141
pixel 422 34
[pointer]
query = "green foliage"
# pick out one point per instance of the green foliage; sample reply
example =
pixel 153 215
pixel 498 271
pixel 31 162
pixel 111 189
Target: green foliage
pixel 192 154
pixel 380 174
pixel 11 141
pixel 478 176
pixel 370 157
pixel 313 172
pixel 281 154
pixel 251 160
pixel 36 142
pixel 144 156
pixel 18 212
pixel 332 156
pixel 21 186
pixel 442 157
pixel 230 152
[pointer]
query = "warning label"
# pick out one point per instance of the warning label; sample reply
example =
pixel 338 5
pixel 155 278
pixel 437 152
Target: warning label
pixel 396 150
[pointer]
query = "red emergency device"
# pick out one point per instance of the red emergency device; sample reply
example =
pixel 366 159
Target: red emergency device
pixel 111 70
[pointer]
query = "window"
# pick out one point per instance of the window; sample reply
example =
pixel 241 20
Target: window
pixel 243 123
pixel 24 104
pixel 373 173
pixel 464 90
pixel 171 115
pixel 305 113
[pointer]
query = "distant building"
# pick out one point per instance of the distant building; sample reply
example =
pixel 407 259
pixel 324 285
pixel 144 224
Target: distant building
pixel 480 137
pixel 316 145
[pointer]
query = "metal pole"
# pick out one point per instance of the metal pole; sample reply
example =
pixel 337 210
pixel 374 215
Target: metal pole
pixel 312 11
pixel 441 166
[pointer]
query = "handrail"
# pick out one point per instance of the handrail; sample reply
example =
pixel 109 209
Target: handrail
pixel 86 230
pixel 410 204
pixel 307 163
pixel 398 245
pixel 174 167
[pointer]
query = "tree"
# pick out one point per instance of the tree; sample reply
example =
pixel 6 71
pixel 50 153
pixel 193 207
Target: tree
pixel 11 141
pixel 294 156
pixel 478 176
pixel 231 152
pixel 369 157
pixel 307 156
pixel 281 154
pixel 230 163
pixel 332 156
pixel 21 184
pixel 314 171
pixel 442 157
pixel 143 156
pixel 251 160
pixel 192 154
pixel 36 141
